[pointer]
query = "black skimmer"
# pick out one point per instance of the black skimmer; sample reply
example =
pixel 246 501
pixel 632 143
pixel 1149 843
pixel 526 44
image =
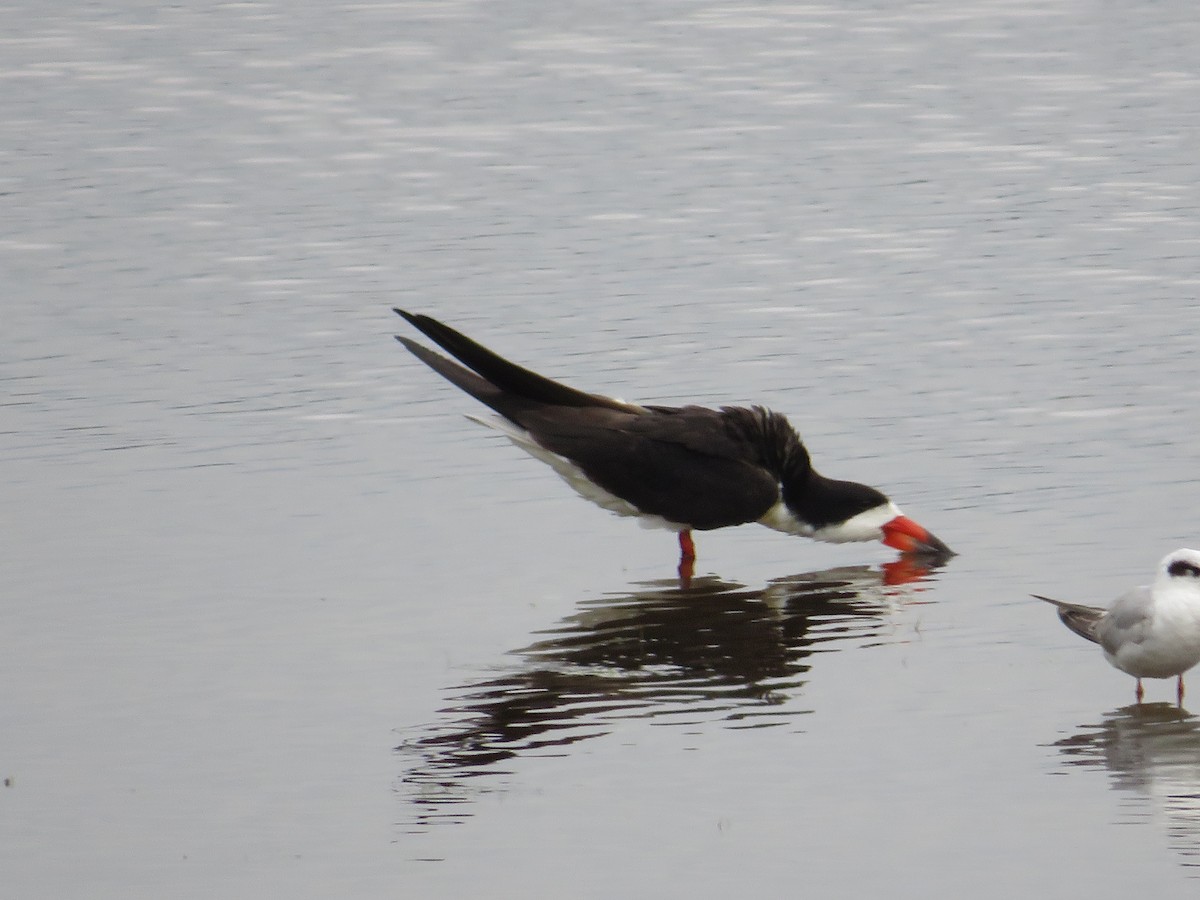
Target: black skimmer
pixel 1152 631
pixel 682 468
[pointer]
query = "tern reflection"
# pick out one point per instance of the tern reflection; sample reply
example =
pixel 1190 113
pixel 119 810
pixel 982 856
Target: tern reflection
pixel 712 652
pixel 1152 752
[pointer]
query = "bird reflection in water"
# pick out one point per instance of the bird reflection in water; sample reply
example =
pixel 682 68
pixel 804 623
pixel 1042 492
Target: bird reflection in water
pixel 712 652
pixel 1152 753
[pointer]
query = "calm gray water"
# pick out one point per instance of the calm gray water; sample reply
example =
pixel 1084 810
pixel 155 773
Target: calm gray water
pixel 278 618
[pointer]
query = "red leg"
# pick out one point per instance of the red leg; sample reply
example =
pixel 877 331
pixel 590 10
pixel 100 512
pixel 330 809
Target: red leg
pixel 1179 691
pixel 1140 692
pixel 687 559
pixel 687 547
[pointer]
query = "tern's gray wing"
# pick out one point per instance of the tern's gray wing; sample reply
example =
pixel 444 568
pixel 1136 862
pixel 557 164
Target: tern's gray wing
pixel 1127 621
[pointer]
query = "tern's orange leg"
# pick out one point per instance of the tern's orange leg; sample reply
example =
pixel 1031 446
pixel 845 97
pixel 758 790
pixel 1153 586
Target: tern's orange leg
pixel 1140 692
pixel 1179 691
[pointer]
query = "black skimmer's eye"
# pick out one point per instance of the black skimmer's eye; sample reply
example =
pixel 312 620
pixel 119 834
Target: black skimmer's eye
pixel 1180 567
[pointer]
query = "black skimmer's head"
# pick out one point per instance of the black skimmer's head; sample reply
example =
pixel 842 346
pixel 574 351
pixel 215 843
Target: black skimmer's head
pixel 821 508
pixel 683 468
pixel 1151 631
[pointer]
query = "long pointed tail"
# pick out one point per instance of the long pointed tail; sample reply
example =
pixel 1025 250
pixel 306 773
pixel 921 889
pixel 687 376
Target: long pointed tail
pixel 1079 618
pixel 499 372
pixel 479 388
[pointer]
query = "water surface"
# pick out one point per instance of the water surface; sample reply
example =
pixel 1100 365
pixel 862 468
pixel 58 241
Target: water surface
pixel 279 618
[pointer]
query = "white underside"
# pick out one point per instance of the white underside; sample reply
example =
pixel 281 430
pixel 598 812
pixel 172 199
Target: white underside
pixel 866 526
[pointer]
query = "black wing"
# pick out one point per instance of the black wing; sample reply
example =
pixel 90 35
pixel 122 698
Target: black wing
pixel 683 465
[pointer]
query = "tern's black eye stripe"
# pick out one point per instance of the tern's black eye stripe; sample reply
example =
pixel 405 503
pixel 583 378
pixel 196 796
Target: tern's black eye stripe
pixel 1179 567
